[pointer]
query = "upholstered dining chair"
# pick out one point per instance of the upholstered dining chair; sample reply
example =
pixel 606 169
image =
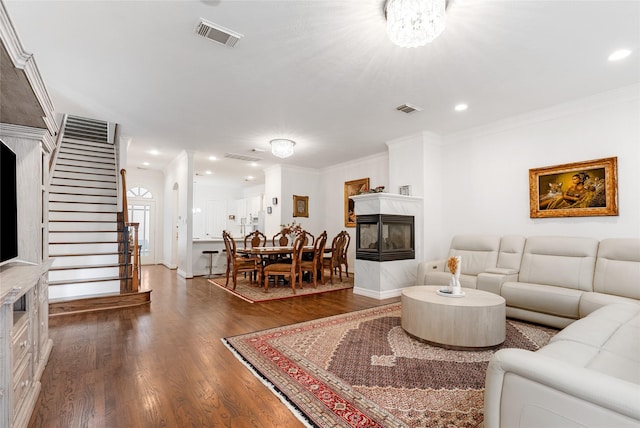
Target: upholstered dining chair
pixel 314 266
pixel 289 270
pixel 237 263
pixel 333 260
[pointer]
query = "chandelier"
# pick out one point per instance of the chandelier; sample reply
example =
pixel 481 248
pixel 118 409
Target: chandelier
pixel 413 23
pixel 282 148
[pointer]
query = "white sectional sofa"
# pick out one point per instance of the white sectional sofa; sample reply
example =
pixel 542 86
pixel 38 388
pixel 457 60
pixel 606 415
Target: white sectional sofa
pixel 589 374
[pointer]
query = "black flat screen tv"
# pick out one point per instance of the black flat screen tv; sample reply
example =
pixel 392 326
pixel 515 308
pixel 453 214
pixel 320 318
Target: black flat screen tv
pixel 8 205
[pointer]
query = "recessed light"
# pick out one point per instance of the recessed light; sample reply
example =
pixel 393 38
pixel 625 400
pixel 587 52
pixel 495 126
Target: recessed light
pixel 250 177
pixel 212 158
pixel 154 152
pixel 619 54
pixel 254 164
pixel 461 107
pixel 208 172
pixel 145 163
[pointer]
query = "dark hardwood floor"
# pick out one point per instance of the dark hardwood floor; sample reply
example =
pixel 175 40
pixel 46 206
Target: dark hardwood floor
pixel 164 365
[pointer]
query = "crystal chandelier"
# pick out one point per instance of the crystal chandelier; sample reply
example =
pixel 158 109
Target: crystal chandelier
pixel 282 148
pixel 413 23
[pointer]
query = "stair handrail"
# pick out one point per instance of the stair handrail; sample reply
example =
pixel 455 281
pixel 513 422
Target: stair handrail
pixel 125 204
pixel 54 156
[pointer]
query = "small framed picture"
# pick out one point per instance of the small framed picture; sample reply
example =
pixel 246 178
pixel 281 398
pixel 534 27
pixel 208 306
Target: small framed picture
pixel 274 201
pixel 269 210
pixel 300 206
pixel 232 217
pixel 405 190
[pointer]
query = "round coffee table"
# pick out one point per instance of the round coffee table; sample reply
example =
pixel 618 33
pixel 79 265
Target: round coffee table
pixel 476 320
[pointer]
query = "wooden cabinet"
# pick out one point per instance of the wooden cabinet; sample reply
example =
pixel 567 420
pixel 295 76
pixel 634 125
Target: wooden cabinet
pixel 24 340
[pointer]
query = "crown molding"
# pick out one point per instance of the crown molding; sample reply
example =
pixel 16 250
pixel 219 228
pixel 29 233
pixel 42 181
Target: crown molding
pixel 26 132
pixel 24 61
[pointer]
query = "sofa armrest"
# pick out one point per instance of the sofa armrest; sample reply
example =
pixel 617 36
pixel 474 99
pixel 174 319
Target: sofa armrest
pixel 525 388
pixel 493 282
pixel 429 266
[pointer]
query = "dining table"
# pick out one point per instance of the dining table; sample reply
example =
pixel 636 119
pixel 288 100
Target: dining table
pixel 271 254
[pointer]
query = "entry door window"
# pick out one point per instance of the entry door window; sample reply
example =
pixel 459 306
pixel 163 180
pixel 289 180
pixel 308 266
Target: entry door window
pixel 140 209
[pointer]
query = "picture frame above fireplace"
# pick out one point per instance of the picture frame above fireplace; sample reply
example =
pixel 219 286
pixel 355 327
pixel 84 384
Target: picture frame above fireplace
pixel 352 188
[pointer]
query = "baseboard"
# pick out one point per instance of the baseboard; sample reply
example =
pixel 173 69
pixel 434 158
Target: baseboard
pixel 380 295
pixel 99 303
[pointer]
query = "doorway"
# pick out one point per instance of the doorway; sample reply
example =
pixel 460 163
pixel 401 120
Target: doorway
pixel 142 210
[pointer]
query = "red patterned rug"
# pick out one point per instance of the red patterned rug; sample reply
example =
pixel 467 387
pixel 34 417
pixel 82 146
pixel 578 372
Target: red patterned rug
pixel 252 292
pixel 362 370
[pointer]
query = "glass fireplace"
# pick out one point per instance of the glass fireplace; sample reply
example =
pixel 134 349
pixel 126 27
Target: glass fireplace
pixel 385 237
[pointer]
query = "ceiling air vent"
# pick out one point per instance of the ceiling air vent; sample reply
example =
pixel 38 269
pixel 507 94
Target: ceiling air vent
pixel 217 33
pixel 241 157
pixel 408 108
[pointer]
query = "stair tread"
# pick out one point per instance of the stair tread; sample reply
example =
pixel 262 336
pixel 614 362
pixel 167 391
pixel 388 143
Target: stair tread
pixel 96 266
pixel 83 280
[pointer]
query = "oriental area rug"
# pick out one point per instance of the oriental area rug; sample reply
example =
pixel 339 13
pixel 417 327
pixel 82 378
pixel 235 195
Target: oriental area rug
pixel 362 370
pixel 252 292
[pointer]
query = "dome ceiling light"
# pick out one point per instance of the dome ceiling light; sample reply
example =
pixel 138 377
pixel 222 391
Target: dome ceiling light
pixel 282 148
pixel 413 23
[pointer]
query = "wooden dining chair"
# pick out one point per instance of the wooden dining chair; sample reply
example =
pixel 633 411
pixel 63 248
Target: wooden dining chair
pixel 280 240
pixel 314 266
pixel 255 239
pixel 237 263
pixel 343 258
pixel 333 260
pixel 289 270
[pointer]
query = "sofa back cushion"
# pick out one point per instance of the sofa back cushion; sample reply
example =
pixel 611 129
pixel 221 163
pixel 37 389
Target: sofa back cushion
pixel 559 261
pixel 618 267
pixel 510 255
pixel 477 252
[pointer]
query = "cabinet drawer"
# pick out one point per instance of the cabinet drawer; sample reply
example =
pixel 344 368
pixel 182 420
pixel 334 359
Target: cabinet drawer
pixel 21 384
pixel 20 344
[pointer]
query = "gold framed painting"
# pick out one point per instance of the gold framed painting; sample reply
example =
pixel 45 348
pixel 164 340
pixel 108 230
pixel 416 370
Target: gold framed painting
pixel 300 206
pixel 579 189
pixel 351 188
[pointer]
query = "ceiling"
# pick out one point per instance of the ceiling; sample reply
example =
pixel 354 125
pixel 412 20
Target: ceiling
pixel 320 72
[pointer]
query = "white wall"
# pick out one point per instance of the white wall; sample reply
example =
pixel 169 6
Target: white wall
pixel 485 171
pixel 178 176
pixel 376 167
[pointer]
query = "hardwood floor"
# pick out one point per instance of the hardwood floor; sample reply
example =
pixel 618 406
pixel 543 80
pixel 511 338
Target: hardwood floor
pixel 164 365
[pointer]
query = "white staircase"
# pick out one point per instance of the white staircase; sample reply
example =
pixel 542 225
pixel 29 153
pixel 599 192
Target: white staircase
pixel 83 228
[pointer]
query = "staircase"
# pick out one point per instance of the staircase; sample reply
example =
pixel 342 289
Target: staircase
pixel 88 270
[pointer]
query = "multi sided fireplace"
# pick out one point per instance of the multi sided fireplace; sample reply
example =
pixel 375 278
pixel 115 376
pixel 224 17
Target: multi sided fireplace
pixel 385 237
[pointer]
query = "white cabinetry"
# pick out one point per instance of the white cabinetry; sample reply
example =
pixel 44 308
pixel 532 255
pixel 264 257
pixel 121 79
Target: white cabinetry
pixel 24 340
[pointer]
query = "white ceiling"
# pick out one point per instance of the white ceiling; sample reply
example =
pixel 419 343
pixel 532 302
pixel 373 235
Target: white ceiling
pixel 320 72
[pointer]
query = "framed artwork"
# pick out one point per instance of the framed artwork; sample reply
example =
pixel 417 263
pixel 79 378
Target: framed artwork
pixel 580 189
pixel 269 210
pixel 405 190
pixel 351 188
pixel 300 206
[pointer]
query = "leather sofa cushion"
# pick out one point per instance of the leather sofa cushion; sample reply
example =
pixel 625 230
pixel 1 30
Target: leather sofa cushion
pixel 546 299
pixel 590 302
pixel 618 268
pixel 510 254
pixel 561 261
pixel 606 341
pixel 477 252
